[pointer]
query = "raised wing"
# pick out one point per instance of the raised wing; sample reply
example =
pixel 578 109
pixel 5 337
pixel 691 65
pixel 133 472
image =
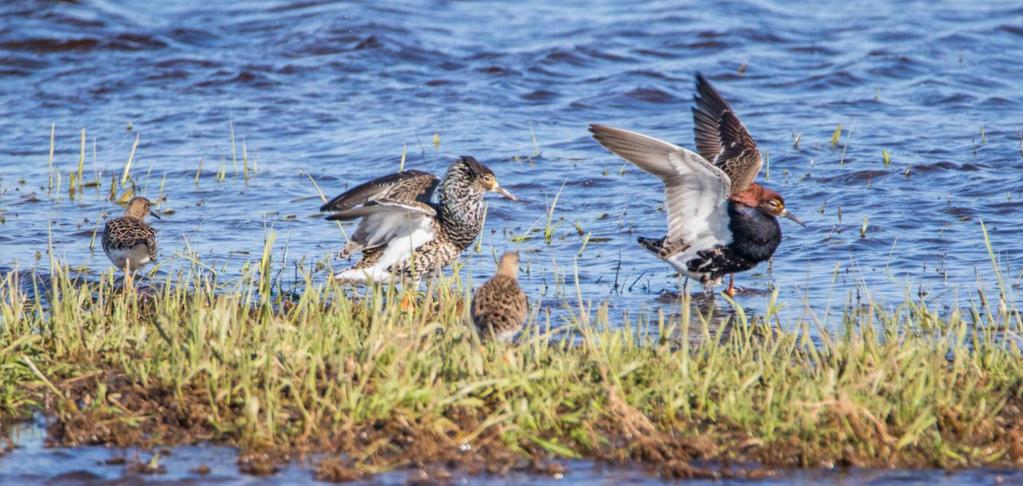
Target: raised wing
pixel 387 222
pixel 409 185
pixel 393 208
pixel 696 192
pixel 384 206
pixel 722 139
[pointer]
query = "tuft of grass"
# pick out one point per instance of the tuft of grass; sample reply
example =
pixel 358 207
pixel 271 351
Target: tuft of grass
pixel 53 144
pixel 126 172
pixel 234 149
pixel 245 161
pixel 864 226
pixel 836 136
pixel 79 179
pixel 886 157
pixel 845 146
pixel 383 376
pixel 198 170
pixel 550 226
pixel 536 145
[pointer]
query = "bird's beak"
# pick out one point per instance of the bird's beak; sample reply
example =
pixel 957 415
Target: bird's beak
pixel 793 218
pixel 153 214
pixel 504 192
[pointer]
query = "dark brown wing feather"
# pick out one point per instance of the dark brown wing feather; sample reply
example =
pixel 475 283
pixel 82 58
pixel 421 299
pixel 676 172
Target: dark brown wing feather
pixel 377 205
pixel 409 185
pixel 722 139
pixel 707 118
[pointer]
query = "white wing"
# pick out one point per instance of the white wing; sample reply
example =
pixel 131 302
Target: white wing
pixel 385 222
pixel 696 192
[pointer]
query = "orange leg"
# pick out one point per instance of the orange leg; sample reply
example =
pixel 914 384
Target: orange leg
pixel 408 302
pixel 730 291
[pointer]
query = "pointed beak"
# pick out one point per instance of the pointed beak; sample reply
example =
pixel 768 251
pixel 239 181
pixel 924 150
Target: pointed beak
pixel 794 218
pixel 504 192
pixel 153 214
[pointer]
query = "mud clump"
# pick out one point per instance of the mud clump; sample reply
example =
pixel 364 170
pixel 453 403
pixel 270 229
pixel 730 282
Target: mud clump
pixel 336 470
pixel 261 463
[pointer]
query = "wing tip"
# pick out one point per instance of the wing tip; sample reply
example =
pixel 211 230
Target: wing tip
pixel 601 131
pixel 596 128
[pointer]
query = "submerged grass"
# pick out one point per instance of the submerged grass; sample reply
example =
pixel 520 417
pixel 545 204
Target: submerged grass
pixel 381 385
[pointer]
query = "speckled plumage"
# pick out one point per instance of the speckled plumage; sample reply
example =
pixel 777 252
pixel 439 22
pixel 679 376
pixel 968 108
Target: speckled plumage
pixel 499 306
pixel 128 241
pixel 396 210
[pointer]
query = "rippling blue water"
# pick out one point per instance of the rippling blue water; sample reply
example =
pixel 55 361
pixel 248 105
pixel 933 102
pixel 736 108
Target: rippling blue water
pixel 333 92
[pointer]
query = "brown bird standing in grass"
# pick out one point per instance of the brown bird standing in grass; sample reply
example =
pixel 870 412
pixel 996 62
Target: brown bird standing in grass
pixel 128 241
pixel 499 306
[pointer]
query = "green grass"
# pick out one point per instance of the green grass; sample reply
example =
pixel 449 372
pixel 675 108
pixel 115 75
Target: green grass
pixel 387 386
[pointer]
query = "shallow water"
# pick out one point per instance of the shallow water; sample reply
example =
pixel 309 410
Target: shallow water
pixel 336 93
pixel 32 462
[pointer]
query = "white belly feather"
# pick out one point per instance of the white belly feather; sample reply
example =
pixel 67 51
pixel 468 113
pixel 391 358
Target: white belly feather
pixel 135 257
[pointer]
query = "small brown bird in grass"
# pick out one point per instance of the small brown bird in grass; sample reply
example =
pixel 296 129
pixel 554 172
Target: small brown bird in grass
pixel 128 241
pixel 499 306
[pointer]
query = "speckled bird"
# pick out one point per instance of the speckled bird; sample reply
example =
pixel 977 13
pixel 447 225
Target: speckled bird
pixel 719 220
pixel 128 241
pixel 402 234
pixel 499 306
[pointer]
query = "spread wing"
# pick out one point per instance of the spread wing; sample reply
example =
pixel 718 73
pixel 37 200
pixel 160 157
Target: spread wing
pixel 722 139
pixel 385 222
pixel 696 192
pixel 393 208
pixel 384 206
pixel 409 185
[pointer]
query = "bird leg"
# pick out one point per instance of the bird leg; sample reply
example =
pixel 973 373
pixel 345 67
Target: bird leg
pixel 129 278
pixel 730 291
pixel 408 302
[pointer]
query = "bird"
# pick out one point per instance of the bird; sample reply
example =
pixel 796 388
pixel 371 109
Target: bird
pixel 719 220
pixel 499 306
pixel 402 234
pixel 128 241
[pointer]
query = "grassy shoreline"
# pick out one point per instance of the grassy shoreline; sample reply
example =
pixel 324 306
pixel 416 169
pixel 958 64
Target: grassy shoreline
pixel 378 385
